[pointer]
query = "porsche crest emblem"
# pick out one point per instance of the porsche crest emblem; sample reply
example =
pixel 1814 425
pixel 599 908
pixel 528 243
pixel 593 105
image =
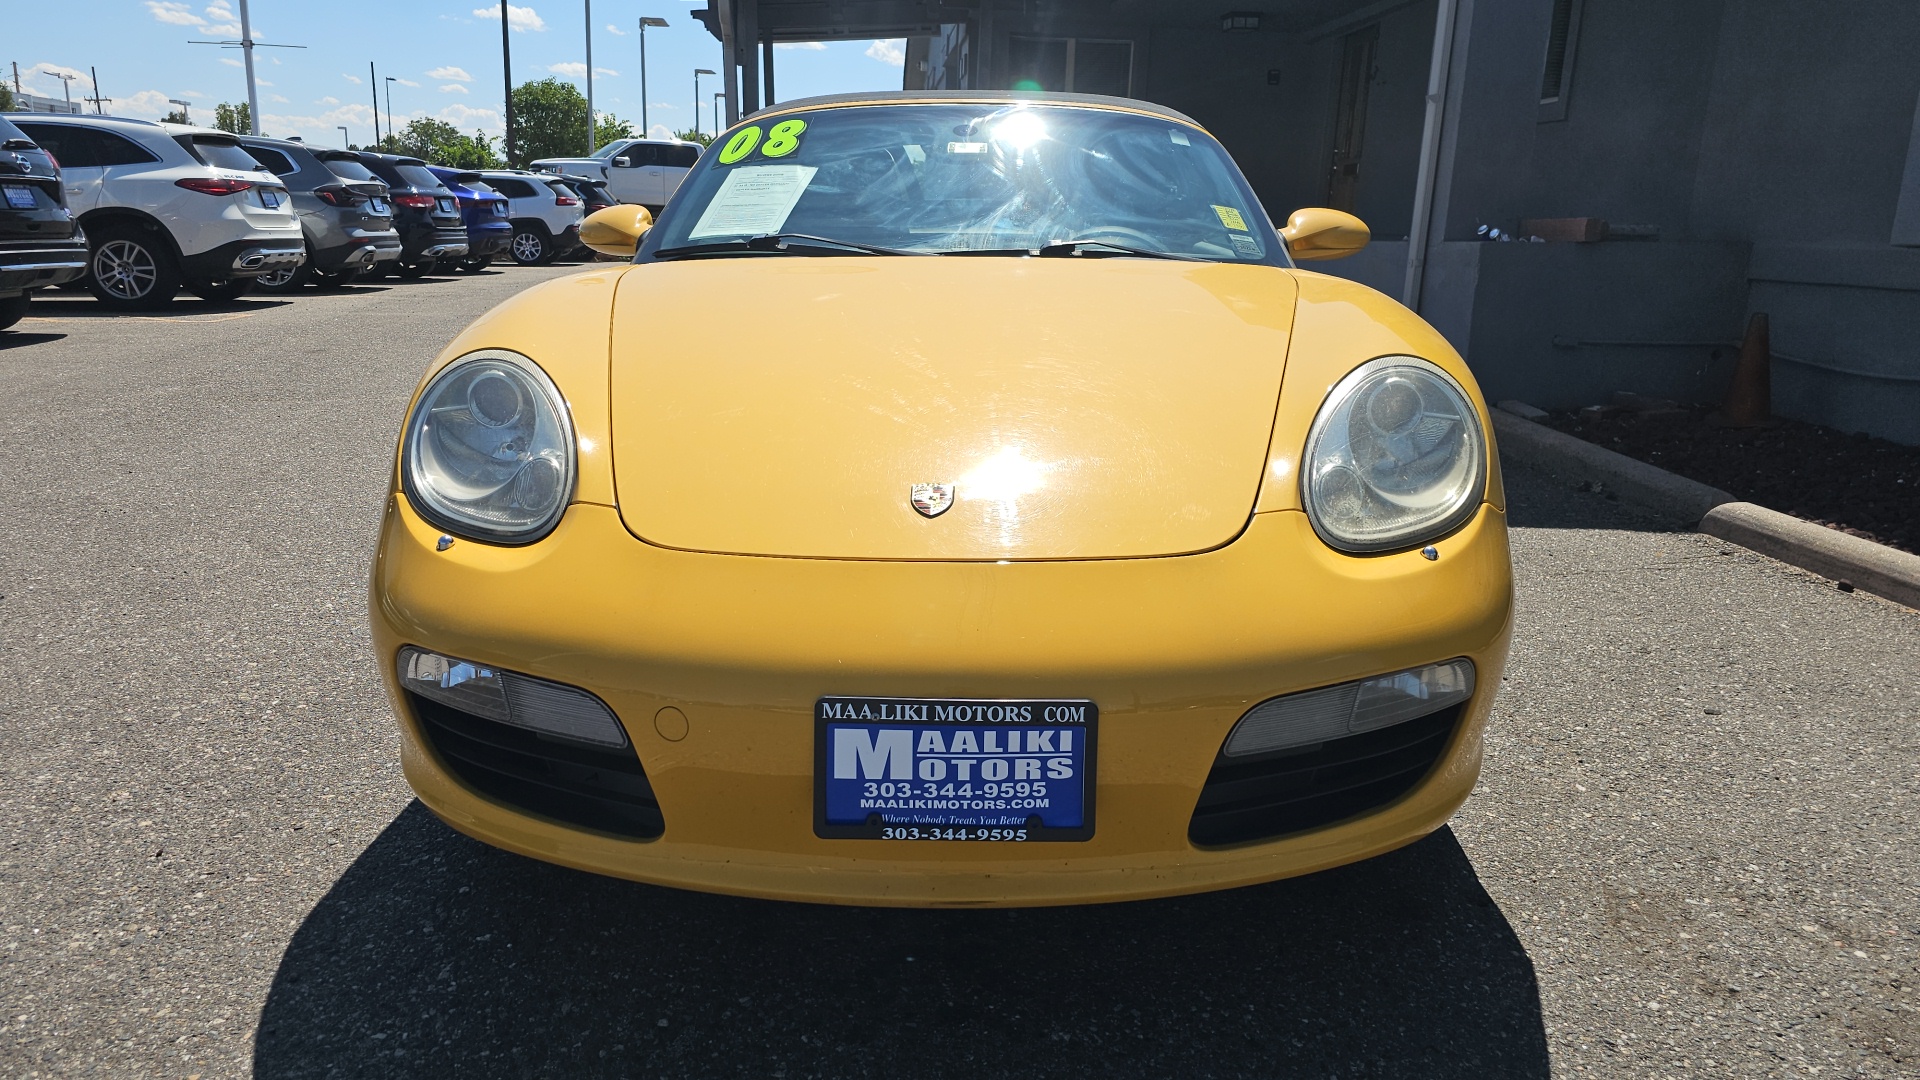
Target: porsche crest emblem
pixel 932 500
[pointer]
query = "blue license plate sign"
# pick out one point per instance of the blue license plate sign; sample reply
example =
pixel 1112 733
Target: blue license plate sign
pixel 935 769
pixel 20 197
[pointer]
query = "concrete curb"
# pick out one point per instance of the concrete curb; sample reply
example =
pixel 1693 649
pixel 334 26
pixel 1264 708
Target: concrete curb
pixel 1876 568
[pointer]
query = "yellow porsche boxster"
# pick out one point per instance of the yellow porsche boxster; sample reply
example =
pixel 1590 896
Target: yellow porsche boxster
pixel 955 500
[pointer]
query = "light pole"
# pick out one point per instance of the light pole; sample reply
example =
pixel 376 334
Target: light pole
pixel 590 124
pixel 344 141
pixel 185 116
pixel 717 95
pixel 390 81
pixel 66 86
pixel 697 72
pixel 246 53
pixel 373 87
pixel 645 21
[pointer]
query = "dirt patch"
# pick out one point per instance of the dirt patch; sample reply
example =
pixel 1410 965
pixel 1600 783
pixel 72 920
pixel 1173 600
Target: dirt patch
pixel 1864 486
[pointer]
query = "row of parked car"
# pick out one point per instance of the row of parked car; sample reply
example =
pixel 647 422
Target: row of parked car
pixel 136 210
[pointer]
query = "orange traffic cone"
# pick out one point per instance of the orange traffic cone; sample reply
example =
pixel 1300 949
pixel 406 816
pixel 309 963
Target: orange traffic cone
pixel 1749 401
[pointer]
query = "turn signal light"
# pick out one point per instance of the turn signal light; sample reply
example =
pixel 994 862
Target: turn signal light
pixel 209 185
pixel 1333 712
pixel 506 697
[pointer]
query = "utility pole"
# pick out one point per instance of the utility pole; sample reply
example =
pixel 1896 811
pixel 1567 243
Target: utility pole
pixel 373 84
pixel 391 133
pixel 645 21
pixel 717 95
pixel 246 53
pixel 506 74
pixel 16 78
pixel 186 116
pixel 96 98
pixel 344 141
pixel 590 120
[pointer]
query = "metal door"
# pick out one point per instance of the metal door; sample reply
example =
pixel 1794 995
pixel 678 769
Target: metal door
pixel 1350 116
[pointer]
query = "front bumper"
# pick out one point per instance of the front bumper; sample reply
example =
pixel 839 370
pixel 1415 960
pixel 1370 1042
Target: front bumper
pixel 32 265
pixel 244 259
pixel 1174 650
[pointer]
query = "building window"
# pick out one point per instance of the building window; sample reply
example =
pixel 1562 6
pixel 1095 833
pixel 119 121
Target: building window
pixel 1075 65
pixel 1556 75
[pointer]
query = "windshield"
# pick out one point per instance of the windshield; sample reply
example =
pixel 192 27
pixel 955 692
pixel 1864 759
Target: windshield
pixel 608 150
pixel 1004 178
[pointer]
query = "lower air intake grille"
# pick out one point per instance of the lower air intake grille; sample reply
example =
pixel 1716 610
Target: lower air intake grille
pixel 603 790
pixel 1295 790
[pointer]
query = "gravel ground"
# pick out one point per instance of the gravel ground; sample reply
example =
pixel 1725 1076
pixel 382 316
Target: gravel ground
pixel 1692 852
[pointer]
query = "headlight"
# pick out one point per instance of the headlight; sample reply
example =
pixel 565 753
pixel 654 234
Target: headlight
pixel 489 450
pixel 1396 456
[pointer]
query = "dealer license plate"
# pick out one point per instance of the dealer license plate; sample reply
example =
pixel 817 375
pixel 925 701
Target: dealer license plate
pixel 376 205
pixel 270 198
pixel 954 769
pixel 20 197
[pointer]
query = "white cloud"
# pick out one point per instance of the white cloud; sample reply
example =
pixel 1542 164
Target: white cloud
pixel 522 19
pixel 615 31
pixel 145 105
pixel 328 100
pixel 174 14
pixel 354 79
pixel 226 30
pixel 277 99
pixel 571 69
pixel 659 131
pixel 450 72
pixel 261 82
pixel 891 51
pixel 453 88
pixel 813 46
pixel 407 82
pixel 231 62
pixel 189 95
pixel 319 128
pixel 608 72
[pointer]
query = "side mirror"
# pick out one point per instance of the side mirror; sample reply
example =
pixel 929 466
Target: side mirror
pixel 1319 233
pixel 616 230
pixel 623 162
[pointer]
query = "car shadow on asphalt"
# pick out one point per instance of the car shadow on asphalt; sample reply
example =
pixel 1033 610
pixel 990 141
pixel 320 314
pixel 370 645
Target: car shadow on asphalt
pixel 17 339
pixel 86 307
pixel 435 956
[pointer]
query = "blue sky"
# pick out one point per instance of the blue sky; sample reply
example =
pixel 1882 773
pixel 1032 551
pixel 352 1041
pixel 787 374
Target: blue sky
pixel 445 54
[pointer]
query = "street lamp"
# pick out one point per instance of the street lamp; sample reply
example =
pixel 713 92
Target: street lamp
pixel 717 95
pixel 390 81
pixel 645 21
pixel 697 72
pixel 185 116
pixel 66 88
pixel 344 141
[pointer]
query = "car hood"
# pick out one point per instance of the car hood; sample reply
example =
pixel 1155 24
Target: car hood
pixel 1082 408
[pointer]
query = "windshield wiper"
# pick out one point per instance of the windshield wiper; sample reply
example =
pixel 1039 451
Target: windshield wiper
pixel 1062 248
pixel 1066 248
pixel 777 243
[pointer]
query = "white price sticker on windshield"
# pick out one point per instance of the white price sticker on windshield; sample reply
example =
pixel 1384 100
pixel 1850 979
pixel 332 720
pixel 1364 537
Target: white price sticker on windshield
pixel 753 200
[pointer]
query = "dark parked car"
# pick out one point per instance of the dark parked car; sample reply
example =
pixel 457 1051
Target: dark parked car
pixel 40 243
pixel 489 233
pixel 425 212
pixel 346 220
pixel 593 193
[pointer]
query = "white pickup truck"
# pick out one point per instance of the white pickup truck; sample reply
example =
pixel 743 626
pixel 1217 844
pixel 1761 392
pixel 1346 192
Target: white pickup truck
pixel 644 171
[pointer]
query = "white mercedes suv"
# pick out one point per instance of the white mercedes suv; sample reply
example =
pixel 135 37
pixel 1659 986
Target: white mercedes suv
pixel 166 205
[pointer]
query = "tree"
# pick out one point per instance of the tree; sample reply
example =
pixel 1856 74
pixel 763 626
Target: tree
pixel 550 120
pixel 177 116
pixel 442 144
pixel 235 118
pixel 6 98
pixel 700 137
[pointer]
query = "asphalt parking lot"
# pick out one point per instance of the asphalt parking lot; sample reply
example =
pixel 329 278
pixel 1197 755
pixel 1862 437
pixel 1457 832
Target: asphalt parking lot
pixel 1693 852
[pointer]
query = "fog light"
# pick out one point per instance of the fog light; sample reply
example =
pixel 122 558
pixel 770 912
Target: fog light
pixel 1334 712
pixel 508 697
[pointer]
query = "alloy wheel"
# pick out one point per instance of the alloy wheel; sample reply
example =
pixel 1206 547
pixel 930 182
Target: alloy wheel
pixel 528 247
pixel 125 269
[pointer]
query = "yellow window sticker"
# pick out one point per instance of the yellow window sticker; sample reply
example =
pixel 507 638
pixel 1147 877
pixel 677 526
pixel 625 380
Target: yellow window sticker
pixel 1231 218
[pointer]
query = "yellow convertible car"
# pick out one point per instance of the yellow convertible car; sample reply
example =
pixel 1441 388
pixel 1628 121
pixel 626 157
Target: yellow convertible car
pixel 957 499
